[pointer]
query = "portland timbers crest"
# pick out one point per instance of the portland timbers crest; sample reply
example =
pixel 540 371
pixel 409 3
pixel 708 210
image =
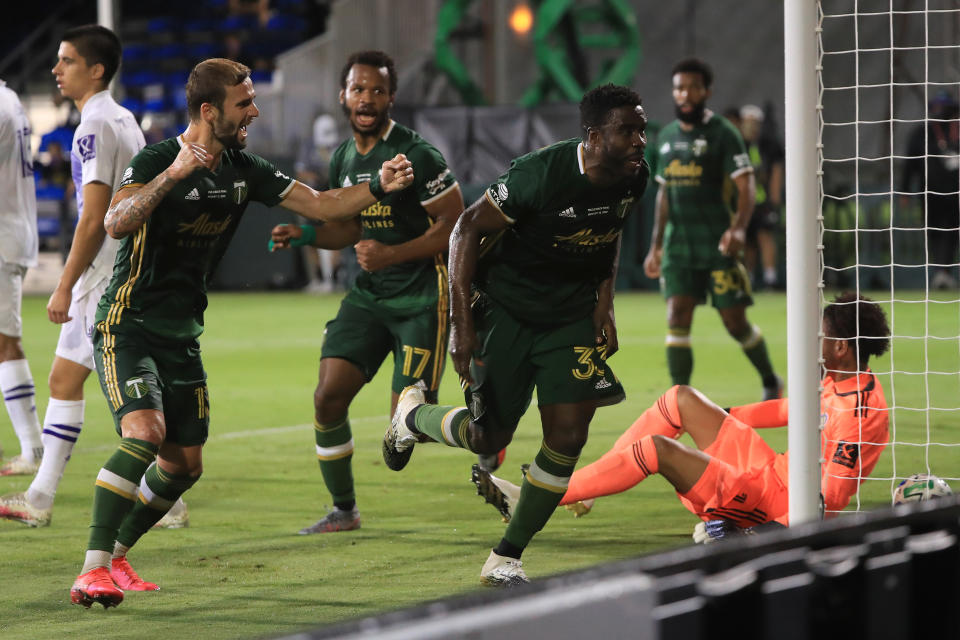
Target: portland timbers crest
pixel 136 387
pixel 239 191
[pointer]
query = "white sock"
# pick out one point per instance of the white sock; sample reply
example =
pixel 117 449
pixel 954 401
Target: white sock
pixel 18 394
pixel 61 428
pixel 95 559
pixel 120 550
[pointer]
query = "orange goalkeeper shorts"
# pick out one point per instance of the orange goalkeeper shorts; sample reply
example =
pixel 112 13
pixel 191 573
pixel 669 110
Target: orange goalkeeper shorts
pixel 741 482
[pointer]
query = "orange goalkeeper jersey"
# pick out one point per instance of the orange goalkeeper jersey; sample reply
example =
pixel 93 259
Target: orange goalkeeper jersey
pixel 855 430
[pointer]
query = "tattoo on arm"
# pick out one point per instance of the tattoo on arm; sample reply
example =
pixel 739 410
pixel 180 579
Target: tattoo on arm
pixel 128 215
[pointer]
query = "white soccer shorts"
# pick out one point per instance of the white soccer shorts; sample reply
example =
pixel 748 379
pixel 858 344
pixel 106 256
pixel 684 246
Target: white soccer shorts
pixel 76 336
pixel 11 298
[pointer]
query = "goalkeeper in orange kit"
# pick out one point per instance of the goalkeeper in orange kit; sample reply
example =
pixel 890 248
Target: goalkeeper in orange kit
pixel 731 474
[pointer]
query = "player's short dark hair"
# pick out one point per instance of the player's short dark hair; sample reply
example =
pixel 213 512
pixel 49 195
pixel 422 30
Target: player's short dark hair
pixel 694 65
pixel 209 80
pixel 860 318
pixel 597 104
pixel 97 45
pixel 371 58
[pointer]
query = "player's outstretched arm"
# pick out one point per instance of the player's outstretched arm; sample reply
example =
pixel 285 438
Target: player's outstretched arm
pixel 480 219
pixel 330 235
pixel 445 211
pixel 133 206
pixel 396 174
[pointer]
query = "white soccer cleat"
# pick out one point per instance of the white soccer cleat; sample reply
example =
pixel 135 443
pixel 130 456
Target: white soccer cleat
pixel 20 466
pixel 398 441
pixel 176 518
pixel 500 571
pixel 14 506
pixel 501 494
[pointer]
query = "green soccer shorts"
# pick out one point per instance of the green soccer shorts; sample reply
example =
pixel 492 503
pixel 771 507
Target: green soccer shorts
pixel 418 341
pixel 563 363
pixel 139 373
pixel 728 286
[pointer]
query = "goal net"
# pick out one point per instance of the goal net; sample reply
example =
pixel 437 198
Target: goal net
pixel 889 86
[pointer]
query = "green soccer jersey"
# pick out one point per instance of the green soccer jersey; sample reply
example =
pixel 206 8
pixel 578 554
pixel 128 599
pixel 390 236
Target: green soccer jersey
pixel 398 218
pixel 160 276
pixel 697 167
pixel 545 267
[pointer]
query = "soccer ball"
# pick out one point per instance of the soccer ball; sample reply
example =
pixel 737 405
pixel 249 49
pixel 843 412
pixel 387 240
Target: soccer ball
pixel 920 486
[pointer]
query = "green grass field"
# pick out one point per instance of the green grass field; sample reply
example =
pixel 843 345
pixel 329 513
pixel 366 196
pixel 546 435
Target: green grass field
pixel 240 570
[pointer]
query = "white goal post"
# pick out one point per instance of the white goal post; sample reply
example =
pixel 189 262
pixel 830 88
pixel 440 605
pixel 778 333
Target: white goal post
pixel 872 105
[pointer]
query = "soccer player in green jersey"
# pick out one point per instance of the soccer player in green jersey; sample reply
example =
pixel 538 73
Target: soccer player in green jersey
pixel 532 267
pixel 399 302
pixel 697 240
pixel 178 204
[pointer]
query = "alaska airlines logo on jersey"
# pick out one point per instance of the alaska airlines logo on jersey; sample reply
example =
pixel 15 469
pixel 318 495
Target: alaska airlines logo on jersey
pixel 847 454
pixel 239 191
pixel 678 169
pixel 204 226
pixel 498 193
pixel 377 216
pixel 699 147
pixel 87 147
pixel 435 186
pixel 587 238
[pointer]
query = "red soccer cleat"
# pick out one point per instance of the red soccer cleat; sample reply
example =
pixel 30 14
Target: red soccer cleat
pixel 127 579
pixel 95 586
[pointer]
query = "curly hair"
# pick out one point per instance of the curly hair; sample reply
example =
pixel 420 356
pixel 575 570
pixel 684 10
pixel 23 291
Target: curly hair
pixel 597 104
pixel 694 65
pixel 857 317
pixel 371 58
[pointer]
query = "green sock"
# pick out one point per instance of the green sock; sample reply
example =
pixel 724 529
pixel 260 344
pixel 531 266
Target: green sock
pixel 755 347
pixel 448 425
pixel 158 492
pixel 335 453
pixel 541 492
pixel 116 490
pixel 679 355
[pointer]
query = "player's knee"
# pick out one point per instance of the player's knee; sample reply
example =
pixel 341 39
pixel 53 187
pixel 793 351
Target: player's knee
pixel 666 448
pixel 63 386
pixel 329 403
pixel 569 442
pixel 487 441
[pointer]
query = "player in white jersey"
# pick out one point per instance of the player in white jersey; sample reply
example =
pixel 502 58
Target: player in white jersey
pixel 18 251
pixel 107 138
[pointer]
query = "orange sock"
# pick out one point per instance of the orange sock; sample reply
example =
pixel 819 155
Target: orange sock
pixel 663 418
pixel 618 470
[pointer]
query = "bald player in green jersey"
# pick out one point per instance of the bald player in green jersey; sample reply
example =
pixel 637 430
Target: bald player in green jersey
pixel 398 303
pixel 697 241
pixel 532 307
pixel 178 204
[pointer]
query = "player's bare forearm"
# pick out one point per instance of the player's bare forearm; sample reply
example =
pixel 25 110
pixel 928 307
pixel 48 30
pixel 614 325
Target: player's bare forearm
pixel 89 234
pixel 746 199
pixel 661 215
pixel 132 207
pixel 445 211
pixel 338 235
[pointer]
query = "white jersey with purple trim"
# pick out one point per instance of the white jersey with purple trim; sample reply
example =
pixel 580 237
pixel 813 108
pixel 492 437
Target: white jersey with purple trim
pixel 18 195
pixel 104 143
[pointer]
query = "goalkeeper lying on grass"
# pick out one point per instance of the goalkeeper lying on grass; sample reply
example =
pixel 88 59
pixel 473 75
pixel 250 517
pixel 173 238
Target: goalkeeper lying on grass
pixel 732 474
